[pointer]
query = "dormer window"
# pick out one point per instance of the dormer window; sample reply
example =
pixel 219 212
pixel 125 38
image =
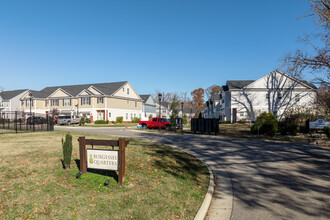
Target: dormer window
pixel 127 91
pixel 123 89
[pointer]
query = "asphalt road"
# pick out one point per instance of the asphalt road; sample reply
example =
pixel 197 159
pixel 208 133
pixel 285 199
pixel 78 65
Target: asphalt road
pixel 269 180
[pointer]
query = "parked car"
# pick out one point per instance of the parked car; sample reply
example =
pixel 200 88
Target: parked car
pixel 154 123
pixel 36 120
pixel 67 120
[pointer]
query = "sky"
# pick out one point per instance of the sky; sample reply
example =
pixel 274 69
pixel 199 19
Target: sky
pixel 165 45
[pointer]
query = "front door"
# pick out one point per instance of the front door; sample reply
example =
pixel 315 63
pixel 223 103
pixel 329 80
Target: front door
pixel 100 116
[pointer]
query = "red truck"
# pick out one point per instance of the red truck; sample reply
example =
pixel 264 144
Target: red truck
pixel 154 123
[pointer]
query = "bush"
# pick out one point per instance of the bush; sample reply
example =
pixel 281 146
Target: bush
pixel 84 120
pixel 326 131
pixel 266 123
pixel 150 117
pixel 290 124
pixel 224 122
pixel 101 122
pixel 136 120
pixel 119 119
pixel 242 121
pixel 67 150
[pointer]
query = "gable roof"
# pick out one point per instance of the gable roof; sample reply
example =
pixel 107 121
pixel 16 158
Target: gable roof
pixel 144 97
pixel 74 90
pixel 238 84
pixel 6 95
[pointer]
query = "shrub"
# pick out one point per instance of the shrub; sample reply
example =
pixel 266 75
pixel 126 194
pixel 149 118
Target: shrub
pixel 326 131
pixel 83 120
pixel 224 122
pixel 67 150
pixel 101 122
pixel 185 119
pixel 266 123
pixel 136 120
pixel 119 119
pixel 242 121
pixel 150 117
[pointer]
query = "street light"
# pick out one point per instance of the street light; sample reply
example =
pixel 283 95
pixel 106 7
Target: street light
pixel 182 117
pixel 160 108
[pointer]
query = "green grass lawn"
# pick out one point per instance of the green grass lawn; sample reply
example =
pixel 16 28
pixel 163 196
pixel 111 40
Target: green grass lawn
pixel 161 182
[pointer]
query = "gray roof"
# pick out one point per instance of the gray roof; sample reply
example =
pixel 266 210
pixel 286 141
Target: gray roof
pixel 189 111
pixel 145 97
pixel 238 84
pixel 74 90
pixel 6 95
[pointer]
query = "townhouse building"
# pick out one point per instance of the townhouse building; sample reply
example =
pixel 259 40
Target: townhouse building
pixel 98 101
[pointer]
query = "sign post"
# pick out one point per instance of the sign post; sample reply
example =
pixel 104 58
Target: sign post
pixel 103 159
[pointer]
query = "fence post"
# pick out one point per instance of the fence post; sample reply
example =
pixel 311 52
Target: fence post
pixel 15 121
pixel 83 154
pixel 121 170
pixel 33 119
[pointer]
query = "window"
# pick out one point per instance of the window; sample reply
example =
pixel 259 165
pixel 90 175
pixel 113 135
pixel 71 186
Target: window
pixel 134 115
pixel 54 102
pixel 66 102
pixel 1 104
pixel 135 103
pixel 139 115
pixel 131 115
pixel 279 95
pixel 99 100
pixel 46 103
pixel 267 96
pixel 297 97
pixel 109 114
pixel 85 101
pixel 127 91
pixel 126 116
pixel 22 103
pixel 28 103
pixel 241 113
pixel 123 89
pixel 155 119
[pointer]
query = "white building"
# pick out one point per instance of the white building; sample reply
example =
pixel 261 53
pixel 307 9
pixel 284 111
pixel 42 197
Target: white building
pixel 10 101
pixel 276 92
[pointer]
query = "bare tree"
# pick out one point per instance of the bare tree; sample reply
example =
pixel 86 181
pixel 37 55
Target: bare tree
pixel 317 62
pixel 212 91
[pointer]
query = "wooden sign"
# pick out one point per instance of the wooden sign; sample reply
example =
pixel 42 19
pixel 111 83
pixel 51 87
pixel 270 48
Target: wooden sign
pixel 103 159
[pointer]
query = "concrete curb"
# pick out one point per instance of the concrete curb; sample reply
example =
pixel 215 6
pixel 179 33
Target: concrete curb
pixel 202 212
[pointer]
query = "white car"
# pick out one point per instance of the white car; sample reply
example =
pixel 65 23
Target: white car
pixel 67 120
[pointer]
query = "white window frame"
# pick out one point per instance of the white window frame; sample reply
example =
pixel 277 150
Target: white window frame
pixel 100 100
pixel 66 102
pixel 54 102
pixel 85 100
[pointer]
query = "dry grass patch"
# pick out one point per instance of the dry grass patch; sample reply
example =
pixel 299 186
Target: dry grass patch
pixel 161 182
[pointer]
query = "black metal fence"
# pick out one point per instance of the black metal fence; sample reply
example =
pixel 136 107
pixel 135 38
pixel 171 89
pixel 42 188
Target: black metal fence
pixel 205 125
pixel 17 122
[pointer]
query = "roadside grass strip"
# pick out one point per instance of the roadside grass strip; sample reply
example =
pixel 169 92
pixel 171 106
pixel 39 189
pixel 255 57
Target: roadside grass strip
pixel 161 182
